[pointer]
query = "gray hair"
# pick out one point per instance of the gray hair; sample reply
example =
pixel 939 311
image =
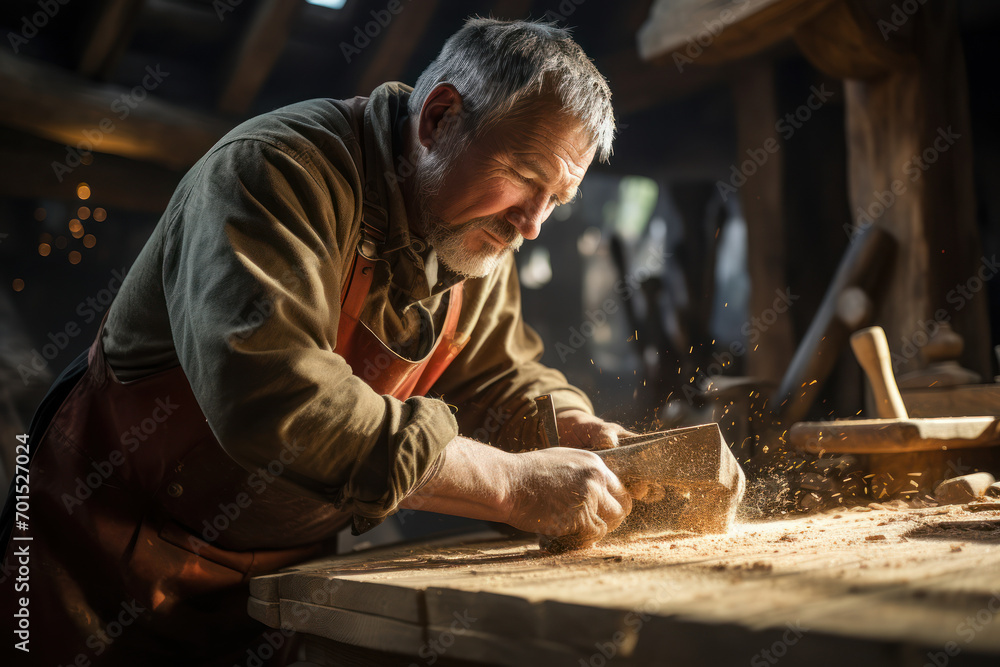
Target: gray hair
pixel 498 67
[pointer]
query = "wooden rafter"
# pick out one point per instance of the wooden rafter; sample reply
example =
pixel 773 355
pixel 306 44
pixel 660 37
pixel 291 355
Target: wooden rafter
pixel 59 106
pixel 256 54
pixel 26 172
pixel 638 85
pixel 112 29
pixel 397 45
pixel 711 31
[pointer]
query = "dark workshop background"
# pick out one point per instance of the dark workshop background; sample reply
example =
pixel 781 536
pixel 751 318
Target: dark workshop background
pixel 643 289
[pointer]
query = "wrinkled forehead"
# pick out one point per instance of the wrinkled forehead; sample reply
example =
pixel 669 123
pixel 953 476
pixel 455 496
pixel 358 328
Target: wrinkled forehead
pixel 543 128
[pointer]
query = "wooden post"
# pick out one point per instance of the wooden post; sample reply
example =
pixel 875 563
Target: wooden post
pixel 910 163
pixel 761 197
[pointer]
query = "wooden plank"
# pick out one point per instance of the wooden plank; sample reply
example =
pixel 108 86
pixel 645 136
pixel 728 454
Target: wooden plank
pixel 863 583
pixel 111 30
pixel 351 627
pixel 491 649
pixel 50 103
pixel 268 613
pixel 887 436
pixel 397 45
pixel 506 616
pixel 256 54
pixel 352 595
pixel 959 401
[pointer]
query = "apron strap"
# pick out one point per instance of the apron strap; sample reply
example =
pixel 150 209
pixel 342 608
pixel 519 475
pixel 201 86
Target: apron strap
pixel 374 231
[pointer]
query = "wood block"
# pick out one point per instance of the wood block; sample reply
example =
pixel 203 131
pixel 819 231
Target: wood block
pixel 977 399
pixel 964 488
pixel 886 436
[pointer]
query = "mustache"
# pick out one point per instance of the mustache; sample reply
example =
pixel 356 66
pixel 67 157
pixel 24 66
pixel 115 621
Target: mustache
pixel 497 226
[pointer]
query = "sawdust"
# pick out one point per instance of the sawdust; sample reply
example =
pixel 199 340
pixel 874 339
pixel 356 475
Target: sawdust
pixel 927 569
pixel 862 543
pixel 772 569
pixel 868 544
pixel 862 531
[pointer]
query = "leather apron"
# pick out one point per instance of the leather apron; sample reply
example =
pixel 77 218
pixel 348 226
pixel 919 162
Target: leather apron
pixel 162 537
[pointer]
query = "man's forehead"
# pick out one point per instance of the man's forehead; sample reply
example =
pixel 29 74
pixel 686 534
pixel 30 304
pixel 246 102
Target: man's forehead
pixel 553 169
pixel 549 143
pixel 543 123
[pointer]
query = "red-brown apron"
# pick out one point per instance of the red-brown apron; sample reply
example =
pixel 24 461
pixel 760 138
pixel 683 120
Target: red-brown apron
pixel 140 553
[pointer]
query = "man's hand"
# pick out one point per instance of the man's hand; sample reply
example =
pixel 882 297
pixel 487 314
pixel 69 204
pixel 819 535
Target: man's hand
pixel 567 494
pixel 580 430
pixel 559 492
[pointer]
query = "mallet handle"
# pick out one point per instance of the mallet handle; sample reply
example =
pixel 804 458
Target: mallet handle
pixel 872 351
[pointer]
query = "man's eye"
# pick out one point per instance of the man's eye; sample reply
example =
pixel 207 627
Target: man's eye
pixel 520 177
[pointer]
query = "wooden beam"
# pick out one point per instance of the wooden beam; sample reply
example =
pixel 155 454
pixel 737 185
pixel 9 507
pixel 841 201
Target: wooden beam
pixel 637 85
pixel 26 172
pixel 762 199
pixel 111 30
pixel 197 23
pixel 714 31
pixel 910 168
pixel 697 261
pixel 59 106
pixel 256 54
pixel 847 46
pixel 397 45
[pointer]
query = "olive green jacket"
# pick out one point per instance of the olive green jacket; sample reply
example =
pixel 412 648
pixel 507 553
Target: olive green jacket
pixel 240 284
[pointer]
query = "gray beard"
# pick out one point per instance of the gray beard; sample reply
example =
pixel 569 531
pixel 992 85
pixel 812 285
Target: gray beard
pixel 453 244
pixel 457 251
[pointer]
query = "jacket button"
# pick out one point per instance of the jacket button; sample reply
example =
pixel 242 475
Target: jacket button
pixel 175 490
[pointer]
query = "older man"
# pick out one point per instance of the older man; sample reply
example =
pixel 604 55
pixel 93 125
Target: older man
pixel 328 302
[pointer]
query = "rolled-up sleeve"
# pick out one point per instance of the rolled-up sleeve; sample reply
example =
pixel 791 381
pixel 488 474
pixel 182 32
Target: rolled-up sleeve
pixel 253 266
pixel 497 376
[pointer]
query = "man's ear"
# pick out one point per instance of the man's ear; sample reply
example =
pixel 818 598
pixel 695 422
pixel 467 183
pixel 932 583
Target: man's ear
pixel 441 108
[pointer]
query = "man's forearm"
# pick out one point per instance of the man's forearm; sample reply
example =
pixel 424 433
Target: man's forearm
pixel 473 481
pixel 556 492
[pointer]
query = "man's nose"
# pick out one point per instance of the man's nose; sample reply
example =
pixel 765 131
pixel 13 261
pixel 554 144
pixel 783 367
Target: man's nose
pixel 528 218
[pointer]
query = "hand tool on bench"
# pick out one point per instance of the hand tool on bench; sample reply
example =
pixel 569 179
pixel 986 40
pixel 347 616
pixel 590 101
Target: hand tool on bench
pixel 850 302
pixel 894 431
pixel 681 479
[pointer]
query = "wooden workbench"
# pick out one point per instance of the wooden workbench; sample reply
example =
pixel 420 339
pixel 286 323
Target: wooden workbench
pixel 859 587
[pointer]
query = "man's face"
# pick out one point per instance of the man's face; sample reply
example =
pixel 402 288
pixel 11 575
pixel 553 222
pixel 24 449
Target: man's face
pixel 478 201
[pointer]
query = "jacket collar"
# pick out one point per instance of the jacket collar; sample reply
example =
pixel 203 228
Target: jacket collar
pixel 386 167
